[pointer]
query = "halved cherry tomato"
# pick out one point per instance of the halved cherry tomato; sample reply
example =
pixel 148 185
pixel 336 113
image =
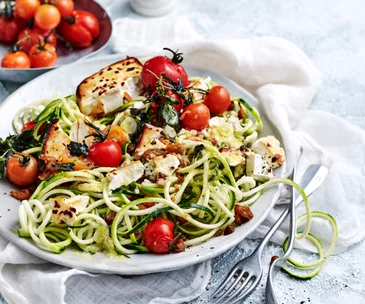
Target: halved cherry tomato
pixel 22 170
pixel 42 55
pixel 117 134
pixel 80 29
pixel 158 235
pixel 25 9
pixel 16 60
pixel 195 117
pixel 107 153
pixel 29 126
pixel 9 29
pixel 218 100
pixel 162 65
pixel 47 17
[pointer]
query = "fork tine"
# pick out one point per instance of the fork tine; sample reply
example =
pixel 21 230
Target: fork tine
pixel 236 281
pixel 225 282
pixel 248 291
pixel 239 289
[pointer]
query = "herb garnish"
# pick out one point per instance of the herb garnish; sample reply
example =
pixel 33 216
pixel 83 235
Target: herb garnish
pixel 64 166
pixel 78 149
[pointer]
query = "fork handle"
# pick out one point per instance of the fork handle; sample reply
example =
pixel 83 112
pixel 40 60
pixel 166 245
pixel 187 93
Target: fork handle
pixel 272 230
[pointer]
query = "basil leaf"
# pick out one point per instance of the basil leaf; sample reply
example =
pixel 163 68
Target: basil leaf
pixel 170 115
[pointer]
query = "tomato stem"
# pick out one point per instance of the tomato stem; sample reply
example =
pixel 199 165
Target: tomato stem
pixel 177 57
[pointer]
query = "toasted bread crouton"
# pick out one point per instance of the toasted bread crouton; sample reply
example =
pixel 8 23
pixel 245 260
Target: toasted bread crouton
pixel 107 90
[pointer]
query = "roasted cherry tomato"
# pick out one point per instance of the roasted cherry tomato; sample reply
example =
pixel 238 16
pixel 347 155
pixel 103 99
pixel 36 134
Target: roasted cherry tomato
pixel 16 60
pixel 29 126
pixel 176 96
pixel 47 17
pixel 25 9
pixel 158 235
pixel 42 55
pixel 9 29
pixel 162 65
pixel 195 117
pixel 80 29
pixel 117 134
pixel 218 100
pixel 107 153
pixel 22 170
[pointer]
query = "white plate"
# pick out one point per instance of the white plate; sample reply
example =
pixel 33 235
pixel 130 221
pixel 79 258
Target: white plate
pixel 63 81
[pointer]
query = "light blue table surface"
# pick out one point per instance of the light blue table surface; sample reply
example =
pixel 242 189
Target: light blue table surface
pixel 332 34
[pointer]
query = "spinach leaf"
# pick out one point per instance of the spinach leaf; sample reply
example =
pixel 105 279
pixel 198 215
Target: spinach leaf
pixel 78 149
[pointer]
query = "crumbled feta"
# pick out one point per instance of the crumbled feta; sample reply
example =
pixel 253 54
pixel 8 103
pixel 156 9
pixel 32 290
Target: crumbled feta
pixel 166 164
pixel 125 174
pixel 203 84
pixel 270 150
pixel 150 139
pixel 258 168
pixel 66 209
pixel 139 105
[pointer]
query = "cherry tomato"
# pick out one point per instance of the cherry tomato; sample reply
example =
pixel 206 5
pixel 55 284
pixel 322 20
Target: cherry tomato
pixel 16 60
pixel 9 29
pixel 80 30
pixel 29 37
pixel 117 134
pixel 25 9
pixel 195 117
pixel 156 66
pixel 178 107
pixel 47 17
pixel 66 7
pixel 43 55
pixel 50 38
pixel 107 153
pixel 158 235
pixel 22 170
pixel 218 100
pixel 29 126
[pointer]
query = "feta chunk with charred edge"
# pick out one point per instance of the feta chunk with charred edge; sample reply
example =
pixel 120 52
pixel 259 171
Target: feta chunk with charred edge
pixel 125 175
pixel 258 168
pixel 270 150
pixel 149 140
pixel 166 164
pixel 232 156
pixel 66 209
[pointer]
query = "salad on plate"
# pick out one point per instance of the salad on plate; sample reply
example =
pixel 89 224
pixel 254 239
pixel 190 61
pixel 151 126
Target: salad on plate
pixel 142 158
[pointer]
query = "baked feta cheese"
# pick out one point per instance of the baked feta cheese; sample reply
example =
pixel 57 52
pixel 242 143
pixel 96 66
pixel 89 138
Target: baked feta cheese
pixel 55 142
pixel 166 164
pixel 258 168
pixel 149 140
pixel 202 84
pixel 270 150
pixel 67 209
pixel 80 132
pixel 125 174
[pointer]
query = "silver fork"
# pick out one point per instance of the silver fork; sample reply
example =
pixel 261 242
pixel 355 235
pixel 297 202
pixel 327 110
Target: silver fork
pixel 250 268
pixel 319 174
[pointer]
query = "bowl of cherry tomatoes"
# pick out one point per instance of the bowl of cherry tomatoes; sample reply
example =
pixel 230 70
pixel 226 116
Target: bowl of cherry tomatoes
pixel 39 35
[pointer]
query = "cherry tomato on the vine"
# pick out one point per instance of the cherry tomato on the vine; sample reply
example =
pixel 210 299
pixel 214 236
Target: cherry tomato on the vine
pixel 42 55
pixel 16 60
pixel 158 235
pixel 29 37
pixel 9 29
pixel 25 9
pixel 195 117
pixel 22 170
pixel 106 153
pixel 80 29
pixel 163 65
pixel 47 17
pixel 218 100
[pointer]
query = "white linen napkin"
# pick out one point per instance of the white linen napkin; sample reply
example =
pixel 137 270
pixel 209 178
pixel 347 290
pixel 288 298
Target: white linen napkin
pixel 285 81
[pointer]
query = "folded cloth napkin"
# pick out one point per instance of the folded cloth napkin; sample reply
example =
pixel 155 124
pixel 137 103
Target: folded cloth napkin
pixel 285 81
